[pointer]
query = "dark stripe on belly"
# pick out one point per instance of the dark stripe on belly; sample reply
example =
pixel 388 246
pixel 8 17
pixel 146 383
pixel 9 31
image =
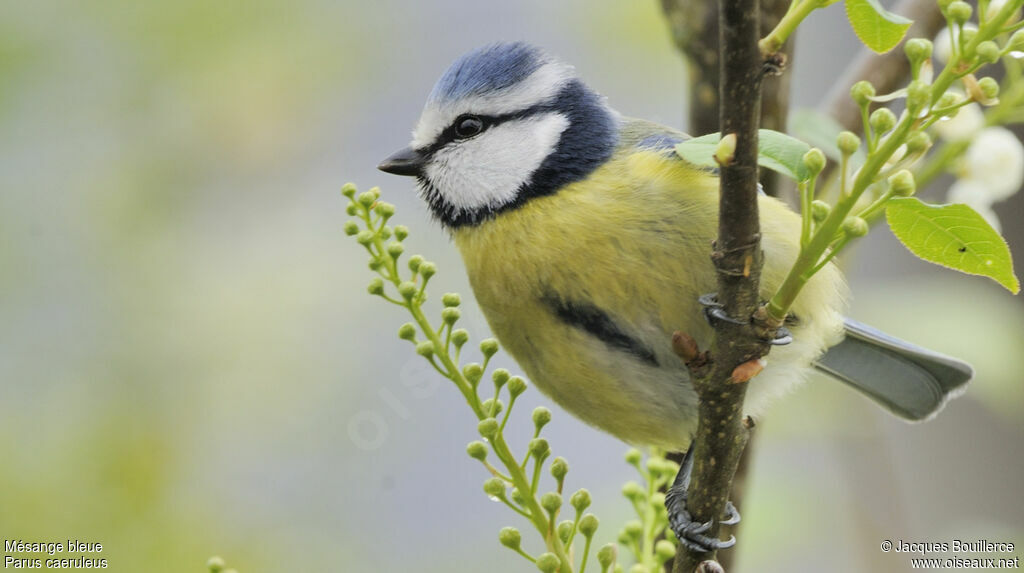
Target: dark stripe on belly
pixel 597 323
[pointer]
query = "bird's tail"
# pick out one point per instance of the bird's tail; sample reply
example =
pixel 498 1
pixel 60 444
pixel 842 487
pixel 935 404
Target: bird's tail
pixel 910 381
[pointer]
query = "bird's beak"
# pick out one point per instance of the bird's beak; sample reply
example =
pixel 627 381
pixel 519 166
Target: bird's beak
pixel 407 161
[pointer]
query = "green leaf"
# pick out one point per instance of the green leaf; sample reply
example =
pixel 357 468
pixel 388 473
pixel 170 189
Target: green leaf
pixel 776 151
pixel 954 236
pixel 878 28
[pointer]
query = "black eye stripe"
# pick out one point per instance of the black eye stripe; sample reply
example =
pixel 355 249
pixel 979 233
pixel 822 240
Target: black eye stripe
pixel 449 134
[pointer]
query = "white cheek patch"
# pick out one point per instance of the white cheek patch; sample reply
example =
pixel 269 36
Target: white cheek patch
pixel 486 172
pixel 541 86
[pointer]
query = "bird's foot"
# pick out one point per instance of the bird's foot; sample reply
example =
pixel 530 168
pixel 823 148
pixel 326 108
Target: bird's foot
pixel 714 313
pixel 690 533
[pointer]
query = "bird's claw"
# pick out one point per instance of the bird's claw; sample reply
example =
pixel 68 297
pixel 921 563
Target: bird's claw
pixel 690 533
pixel 714 313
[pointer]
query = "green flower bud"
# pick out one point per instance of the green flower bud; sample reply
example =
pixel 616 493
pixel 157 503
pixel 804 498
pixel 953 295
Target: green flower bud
pixel 459 337
pixel 1016 42
pixel 959 11
pixel 407 289
pixel 489 347
pixel 364 237
pixel 487 427
pixel 902 183
pixel 348 190
pixel 633 457
pixel 216 564
pixel 541 416
pixel 477 450
pixel 495 487
pixel 517 497
pixel 588 525
pixel 385 232
pixel 385 210
pixel 425 349
pixel 516 386
pixel 414 262
pixel 989 88
pixel 918 142
pixel 918 94
pixel 510 537
pixel 451 299
pixel 450 315
pixel 500 377
pixel 814 160
pixel 564 529
pixel 376 286
pixel 492 407
pixel 606 556
pixel 657 501
pixel 376 192
pixel 351 228
pixel 944 5
pixel 539 447
pixel 367 198
pixel 639 568
pixel 407 331
pixel 633 491
pixel 395 250
pixel 882 120
pixel 548 563
pixel 427 269
pixel 633 529
pixel 988 51
pixel 855 227
pixel 862 92
pixel 551 502
pixel 580 500
pixel 917 49
pixel 848 143
pixel 820 210
pixel 968 34
pixel 664 550
pixel 559 467
pixel 473 372
pixel 401 232
pixel 948 99
pixel 375 264
pixel 351 209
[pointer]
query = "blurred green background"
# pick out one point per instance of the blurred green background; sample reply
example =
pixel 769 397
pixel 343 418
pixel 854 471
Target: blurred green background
pixel 190 365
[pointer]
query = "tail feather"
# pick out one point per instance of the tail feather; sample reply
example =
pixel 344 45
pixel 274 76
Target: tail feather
pixel 912 382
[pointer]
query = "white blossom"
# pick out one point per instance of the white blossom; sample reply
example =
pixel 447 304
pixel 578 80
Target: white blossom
pixel 996 160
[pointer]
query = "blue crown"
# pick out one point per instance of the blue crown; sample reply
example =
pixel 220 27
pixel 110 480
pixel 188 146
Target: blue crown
pixel 488 69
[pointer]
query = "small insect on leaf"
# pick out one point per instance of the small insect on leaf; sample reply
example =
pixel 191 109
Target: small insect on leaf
pixel 776 151
pixel 954 236
pixel 879 29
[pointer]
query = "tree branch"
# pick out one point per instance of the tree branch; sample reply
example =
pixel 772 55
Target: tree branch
pixel 888 71
pixel 721 434
pixel 694 26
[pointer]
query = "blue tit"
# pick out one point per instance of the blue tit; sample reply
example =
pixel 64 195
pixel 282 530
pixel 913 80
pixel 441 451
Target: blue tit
pixel 586 240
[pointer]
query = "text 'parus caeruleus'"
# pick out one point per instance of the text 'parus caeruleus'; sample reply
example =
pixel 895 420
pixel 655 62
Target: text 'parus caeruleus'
pixel 587 242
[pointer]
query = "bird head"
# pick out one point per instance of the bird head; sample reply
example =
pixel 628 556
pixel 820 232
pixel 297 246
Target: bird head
pixel 505 123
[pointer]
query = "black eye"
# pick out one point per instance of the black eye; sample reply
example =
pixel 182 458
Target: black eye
pixel 468 126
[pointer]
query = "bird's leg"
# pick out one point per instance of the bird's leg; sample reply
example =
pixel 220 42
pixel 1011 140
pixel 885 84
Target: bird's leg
pixel 689 532
pixel 714 313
